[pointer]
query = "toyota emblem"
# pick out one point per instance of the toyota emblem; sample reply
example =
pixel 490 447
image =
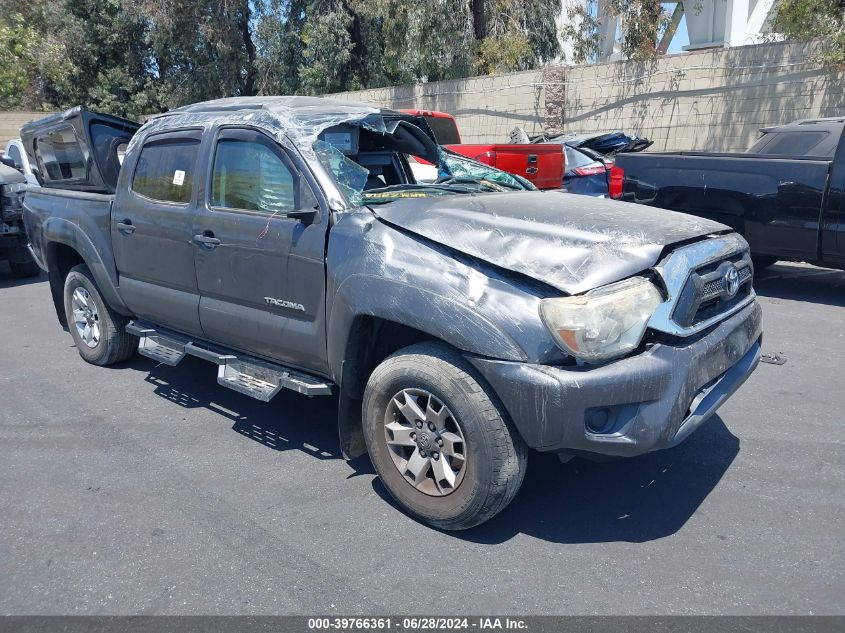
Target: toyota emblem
pixel 731 282
pixel 424 441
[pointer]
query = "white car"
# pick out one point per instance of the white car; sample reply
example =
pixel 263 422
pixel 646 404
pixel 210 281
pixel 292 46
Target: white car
pixel 15 152
pixel 423 172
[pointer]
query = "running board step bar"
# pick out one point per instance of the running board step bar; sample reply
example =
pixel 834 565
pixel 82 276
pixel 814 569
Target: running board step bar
pixel 250 376
pixel 160 348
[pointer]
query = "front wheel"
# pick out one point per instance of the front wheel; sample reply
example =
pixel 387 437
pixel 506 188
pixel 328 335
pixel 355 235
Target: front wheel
pixel 98 331
pixel 441 444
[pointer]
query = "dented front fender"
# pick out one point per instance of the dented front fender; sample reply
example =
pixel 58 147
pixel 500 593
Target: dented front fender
pixel 377 270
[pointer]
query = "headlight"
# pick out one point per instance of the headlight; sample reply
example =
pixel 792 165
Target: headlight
pixel 604 323
pixel 11 200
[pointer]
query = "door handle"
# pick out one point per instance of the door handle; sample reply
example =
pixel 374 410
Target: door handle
pixel 207 240
pixel 126 227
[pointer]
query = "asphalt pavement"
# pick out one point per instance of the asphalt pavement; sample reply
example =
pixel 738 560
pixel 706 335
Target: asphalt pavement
pixel 145 489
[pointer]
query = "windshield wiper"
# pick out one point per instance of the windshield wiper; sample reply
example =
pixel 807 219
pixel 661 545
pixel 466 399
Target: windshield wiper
pixel 493 185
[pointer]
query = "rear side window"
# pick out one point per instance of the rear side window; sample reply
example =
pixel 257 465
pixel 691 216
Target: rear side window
pixel 165 170
pixel 574 158
pixel 252 176
pixel 445 130
pixel 59 155
pixel 789 143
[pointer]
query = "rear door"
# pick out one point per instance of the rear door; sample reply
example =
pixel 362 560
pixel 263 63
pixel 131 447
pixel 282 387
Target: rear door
pixel 151 231
pixel 260 273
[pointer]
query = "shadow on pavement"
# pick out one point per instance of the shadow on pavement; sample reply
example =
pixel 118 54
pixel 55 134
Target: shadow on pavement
pixel 290 421
pixel 634 500
pixel 9 281
pixel 798 282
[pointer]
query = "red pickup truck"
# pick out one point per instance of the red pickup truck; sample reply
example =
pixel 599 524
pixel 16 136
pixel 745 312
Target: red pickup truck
pixel 543 165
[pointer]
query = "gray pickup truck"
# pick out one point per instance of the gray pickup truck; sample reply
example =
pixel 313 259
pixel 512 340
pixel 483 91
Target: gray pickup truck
pixel 458 322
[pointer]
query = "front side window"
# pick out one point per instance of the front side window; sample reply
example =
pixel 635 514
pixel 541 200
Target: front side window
pixel 252 176
pixel 445 130
pixel 165 170
pixel 60 155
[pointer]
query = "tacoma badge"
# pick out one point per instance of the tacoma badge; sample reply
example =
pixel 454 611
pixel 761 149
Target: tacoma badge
pixel 284 304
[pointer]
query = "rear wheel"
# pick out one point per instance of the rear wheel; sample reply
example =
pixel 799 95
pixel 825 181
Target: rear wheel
pixel 441 444
pixel 98 331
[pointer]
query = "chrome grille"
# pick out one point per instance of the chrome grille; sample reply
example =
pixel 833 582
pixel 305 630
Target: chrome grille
pixel 708 293
pixel 716 287
pixel 706 282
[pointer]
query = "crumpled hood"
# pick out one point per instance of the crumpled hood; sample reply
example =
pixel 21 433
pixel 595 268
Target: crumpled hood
pixel 574 243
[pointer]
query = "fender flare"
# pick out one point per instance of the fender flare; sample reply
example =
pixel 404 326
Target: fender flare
pixel 61 231
pixel 366 295
pixel 392 300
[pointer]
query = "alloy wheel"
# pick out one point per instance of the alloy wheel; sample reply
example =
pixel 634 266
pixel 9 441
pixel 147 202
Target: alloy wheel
pixel 426 442
pixel 85 317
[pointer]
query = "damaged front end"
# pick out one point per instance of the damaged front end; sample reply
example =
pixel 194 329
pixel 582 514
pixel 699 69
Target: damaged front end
pixel 702 341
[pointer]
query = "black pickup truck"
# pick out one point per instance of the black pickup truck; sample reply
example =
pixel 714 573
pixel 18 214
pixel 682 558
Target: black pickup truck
pixel 785 195
pixel 459 322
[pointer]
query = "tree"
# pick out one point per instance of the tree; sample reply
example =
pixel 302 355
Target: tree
pixel 822 20
pixel 642 22
pixel 133 57
pixel 30 64
pixel 107 42
pixel 72 52
pixel 278 38
pixel 520 35
pixel 201 49
pixel 479 19
pixel 327 52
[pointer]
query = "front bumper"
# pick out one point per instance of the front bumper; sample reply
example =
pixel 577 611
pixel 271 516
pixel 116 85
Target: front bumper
pixel 634 405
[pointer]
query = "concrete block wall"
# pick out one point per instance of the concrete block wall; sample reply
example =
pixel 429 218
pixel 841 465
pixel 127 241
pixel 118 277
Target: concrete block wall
pixel 713 100
pixel 486 108
pixel 11 122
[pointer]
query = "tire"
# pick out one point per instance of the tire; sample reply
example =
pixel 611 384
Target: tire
pixel 25 269
pixel 112 343
pixel 494 456
pixel 761 262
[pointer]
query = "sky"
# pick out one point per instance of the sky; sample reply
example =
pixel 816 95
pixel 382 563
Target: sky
pixel 681 38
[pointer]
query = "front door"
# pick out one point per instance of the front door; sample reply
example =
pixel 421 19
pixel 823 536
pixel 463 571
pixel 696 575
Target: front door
pixel 260 273
pixel 151 232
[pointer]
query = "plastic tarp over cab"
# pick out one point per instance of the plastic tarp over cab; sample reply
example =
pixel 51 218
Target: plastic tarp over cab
pixel 302 121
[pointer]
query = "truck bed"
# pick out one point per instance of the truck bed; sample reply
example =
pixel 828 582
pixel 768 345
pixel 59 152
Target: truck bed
pixel 774 201
pixel 90 211
pixel 543 165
